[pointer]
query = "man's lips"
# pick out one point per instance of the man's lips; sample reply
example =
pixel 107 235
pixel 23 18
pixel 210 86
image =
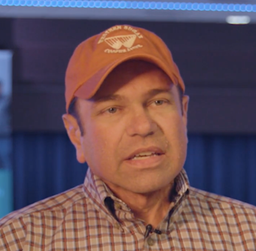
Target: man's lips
pixel 145 152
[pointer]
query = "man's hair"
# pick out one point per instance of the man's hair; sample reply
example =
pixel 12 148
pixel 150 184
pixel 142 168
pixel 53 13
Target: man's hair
pixel 73 108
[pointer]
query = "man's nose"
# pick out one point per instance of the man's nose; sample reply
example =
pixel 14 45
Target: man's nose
pixel 141 123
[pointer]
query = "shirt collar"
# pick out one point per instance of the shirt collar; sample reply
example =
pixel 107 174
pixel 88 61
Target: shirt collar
pixel 181 183
pixel 96 187
pixel 98 192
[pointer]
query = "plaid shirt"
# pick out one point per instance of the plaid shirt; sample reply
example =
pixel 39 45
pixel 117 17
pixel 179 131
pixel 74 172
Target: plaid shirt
pixel 90 217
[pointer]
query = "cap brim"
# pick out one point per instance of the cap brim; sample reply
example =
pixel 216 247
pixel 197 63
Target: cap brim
pixel 88 89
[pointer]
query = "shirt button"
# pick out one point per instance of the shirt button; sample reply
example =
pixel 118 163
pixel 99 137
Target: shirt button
pixel 118 205
pixel 150 241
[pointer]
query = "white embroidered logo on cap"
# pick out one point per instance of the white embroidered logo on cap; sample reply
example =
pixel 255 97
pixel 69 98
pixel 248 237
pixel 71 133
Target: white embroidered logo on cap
pixel 116 42
pixel 121 43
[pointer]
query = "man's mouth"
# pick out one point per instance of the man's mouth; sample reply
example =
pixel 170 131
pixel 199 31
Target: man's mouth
pixel 145 155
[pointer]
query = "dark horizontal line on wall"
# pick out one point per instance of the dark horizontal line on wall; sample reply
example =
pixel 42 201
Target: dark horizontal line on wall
pixel 211 110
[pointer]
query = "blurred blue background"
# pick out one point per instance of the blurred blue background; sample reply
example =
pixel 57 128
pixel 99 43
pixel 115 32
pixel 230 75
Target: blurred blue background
pixel 45 164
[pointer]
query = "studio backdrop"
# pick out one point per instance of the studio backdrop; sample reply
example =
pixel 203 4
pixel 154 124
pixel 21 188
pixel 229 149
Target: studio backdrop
pixel 45 164
pixel 6 197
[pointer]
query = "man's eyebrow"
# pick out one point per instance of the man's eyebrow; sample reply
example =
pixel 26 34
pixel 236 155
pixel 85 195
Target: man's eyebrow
pixel 114 97
pixel 154 92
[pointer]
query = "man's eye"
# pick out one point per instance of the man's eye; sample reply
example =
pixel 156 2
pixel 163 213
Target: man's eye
pixel 159 102
pixel 112 110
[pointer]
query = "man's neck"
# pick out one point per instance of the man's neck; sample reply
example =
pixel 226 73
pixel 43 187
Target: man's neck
pixel 152 207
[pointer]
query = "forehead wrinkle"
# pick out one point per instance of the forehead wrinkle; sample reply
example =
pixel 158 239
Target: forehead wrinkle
pixel 118 97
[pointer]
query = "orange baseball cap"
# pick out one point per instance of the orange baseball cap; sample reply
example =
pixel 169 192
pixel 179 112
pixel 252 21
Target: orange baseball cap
pixel 96 57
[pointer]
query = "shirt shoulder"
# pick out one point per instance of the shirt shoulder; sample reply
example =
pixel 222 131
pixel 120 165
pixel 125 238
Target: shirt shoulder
pixel 45 215
pixel 209 204
pixel 54 204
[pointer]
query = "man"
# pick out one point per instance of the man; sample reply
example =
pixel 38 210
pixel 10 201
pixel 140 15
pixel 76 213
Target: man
pixel 127 118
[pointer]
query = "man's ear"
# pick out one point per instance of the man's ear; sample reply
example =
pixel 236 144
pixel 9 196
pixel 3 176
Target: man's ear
pixel 75 136
pixel 185 101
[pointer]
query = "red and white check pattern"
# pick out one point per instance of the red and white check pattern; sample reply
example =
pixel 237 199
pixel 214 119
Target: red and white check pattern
pixel 90 217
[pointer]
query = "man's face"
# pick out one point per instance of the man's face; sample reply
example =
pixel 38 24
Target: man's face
pixel 135 136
